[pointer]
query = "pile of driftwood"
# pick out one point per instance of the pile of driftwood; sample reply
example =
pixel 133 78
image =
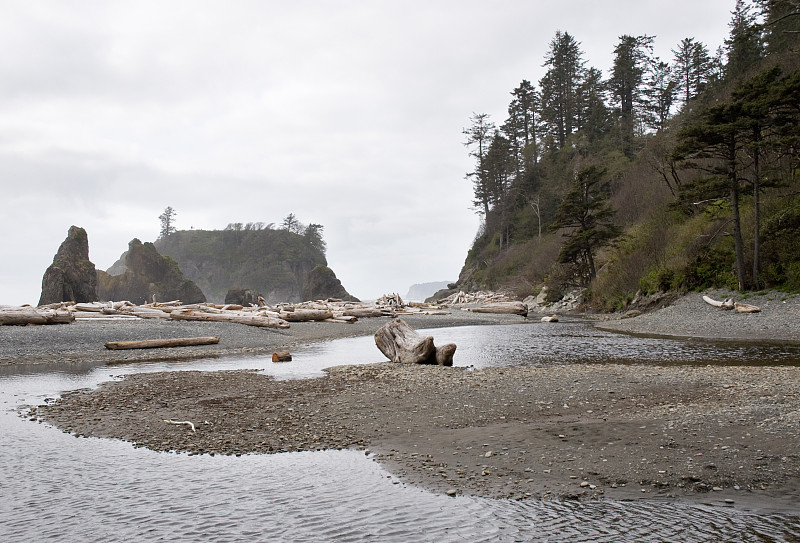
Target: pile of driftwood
pixel 263 315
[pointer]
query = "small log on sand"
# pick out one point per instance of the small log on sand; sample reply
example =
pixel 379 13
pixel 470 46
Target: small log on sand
pixel 551 318
pixel 401 343
pixel 29 315
pixel 160 343
pixel 368 312
pixel 249 320
pixel 283 356
pixel 510 308
pixel 746 308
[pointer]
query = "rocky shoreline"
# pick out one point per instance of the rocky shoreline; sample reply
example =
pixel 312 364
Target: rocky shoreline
pixel 726 435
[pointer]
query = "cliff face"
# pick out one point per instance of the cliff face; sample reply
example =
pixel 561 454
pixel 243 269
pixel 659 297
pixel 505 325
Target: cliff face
pixel 148 274
pixel 71 276
pixel 322 283
pixel 276 264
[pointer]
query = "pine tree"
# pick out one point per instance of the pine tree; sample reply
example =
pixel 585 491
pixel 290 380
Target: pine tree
pixel 478 138
pixel 744 46
pixel 559 87
pixel 632 56
pixel 167 222
pixel 587 215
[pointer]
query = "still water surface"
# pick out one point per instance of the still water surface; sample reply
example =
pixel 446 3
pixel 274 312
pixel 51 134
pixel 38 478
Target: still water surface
pixel 55 487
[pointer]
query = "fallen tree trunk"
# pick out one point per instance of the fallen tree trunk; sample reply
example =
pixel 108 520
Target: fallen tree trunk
pixel 160 343
pixel 249 320
pixel 282 356
pixel 368 312
pixel 727 304
pixel 29 315
pixel 306 315
pixel 510 308
pixel 401 343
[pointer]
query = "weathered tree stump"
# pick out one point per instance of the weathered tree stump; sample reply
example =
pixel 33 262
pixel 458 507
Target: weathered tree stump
pixel 401 343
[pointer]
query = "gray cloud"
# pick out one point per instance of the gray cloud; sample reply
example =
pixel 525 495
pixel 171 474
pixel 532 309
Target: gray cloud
pixel 348 114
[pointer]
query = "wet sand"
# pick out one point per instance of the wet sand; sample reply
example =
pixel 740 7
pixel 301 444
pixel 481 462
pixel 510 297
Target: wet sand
pixel 721 435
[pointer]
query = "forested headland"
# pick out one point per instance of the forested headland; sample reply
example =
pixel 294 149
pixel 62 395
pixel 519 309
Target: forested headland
pixel 662 174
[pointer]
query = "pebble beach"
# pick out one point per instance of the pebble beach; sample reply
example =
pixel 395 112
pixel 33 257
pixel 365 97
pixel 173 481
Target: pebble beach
pixel 727 434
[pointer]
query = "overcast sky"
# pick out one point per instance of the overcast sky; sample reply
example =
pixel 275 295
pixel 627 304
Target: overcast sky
pixel 347 113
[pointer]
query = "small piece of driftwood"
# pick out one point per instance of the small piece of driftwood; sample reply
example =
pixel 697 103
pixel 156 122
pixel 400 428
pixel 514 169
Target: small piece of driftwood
pixel 746 308
pixel 159 343
pixel 726 304
pixel 551 318
pixel 283 356
pixel 181 422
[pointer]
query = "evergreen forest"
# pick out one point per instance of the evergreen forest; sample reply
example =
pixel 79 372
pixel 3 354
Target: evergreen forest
pixel 660 175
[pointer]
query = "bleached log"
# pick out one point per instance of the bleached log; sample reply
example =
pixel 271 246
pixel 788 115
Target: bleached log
pixel 29 315
pixel 249 320
pixel 746 308
pixel 181 422
pixel 401 343
pixel 342 319
pixel 509 308
pixel 93 307
pixel 144 312
pixel 305 315
pixel 161 343
pixel 551 318
pixel 727 304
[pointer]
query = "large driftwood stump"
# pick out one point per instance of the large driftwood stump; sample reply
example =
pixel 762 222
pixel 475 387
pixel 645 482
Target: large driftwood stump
pixel 401 343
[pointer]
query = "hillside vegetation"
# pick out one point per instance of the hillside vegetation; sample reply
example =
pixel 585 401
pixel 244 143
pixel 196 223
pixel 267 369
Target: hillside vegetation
pixel 667 175
pixel 275 263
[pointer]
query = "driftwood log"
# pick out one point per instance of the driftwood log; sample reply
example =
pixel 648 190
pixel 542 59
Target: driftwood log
pixel 306 315
pixel 728 303
pixel 29 315
pixel 510 308
pixel 160 343
pixel 368 312
pixel 250 320
pixel 282 356
pixel 401 343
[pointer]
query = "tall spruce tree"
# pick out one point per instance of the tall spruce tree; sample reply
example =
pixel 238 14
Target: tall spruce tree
pixel 479 136
pixel 632 57
pixel 559 87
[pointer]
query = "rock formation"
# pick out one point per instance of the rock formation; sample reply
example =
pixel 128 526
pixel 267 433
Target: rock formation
pixel 148 274
pixel 241 296
pixel 321 283
pixel 71 277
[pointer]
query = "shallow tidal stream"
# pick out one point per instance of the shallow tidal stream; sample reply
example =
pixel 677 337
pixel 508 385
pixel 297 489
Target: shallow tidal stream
pixel 55 487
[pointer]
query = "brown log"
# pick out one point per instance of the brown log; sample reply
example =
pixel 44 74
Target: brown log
pixel 746 308
pixel 401 343
pixel 283 356
pixel 160 343
pixel 249 320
